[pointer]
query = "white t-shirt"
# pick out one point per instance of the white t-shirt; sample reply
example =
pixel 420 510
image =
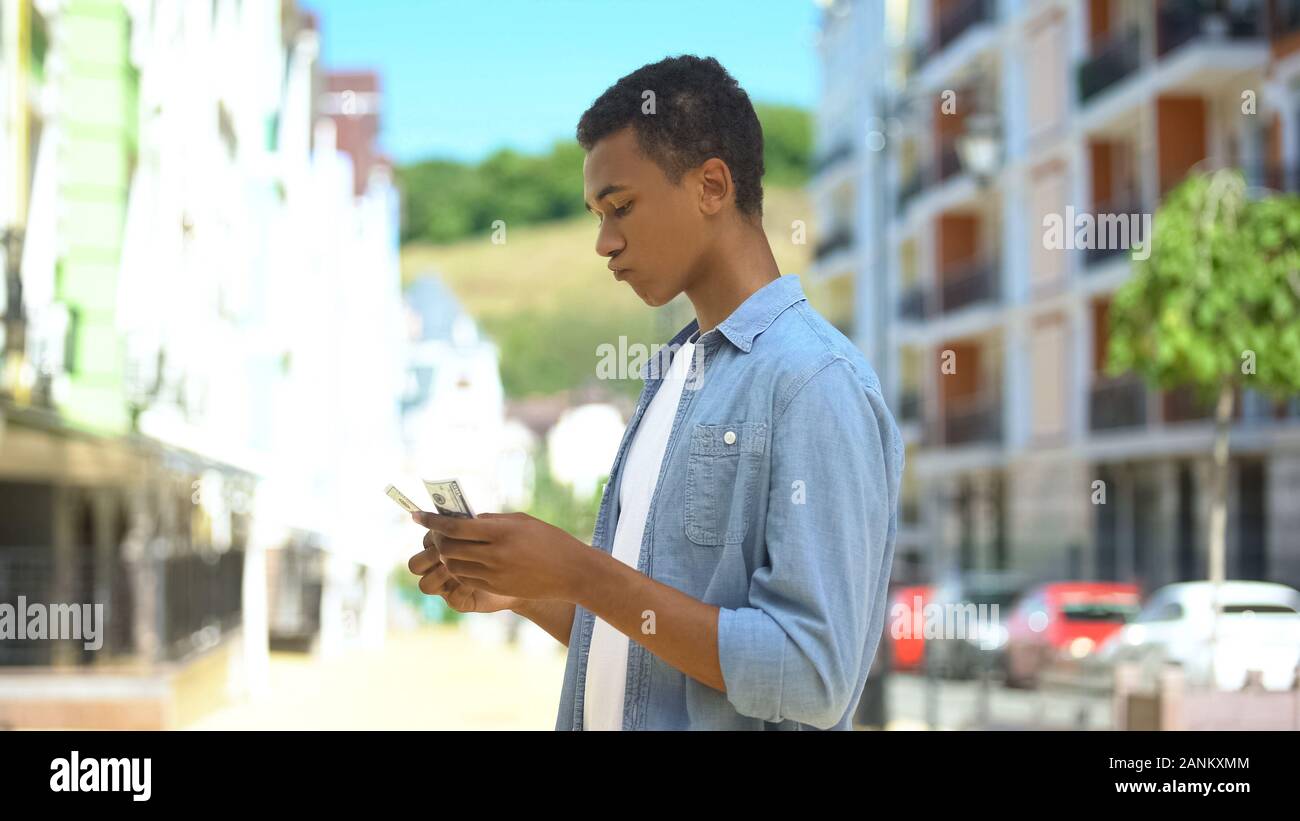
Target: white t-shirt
pixel 602 707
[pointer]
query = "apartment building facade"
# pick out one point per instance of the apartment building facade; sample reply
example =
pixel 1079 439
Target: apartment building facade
pixel 1017 115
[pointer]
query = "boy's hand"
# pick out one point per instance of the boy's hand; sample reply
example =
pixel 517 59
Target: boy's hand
pixel 509 554
pixel 437 580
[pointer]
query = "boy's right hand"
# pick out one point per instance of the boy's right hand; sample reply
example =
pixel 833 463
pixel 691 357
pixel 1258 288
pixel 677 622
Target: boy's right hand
pixel 437 580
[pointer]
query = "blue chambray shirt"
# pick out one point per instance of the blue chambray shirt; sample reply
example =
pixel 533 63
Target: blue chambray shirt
pixel 776 501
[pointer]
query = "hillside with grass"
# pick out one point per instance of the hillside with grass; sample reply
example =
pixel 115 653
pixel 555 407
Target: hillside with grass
pixel 549 301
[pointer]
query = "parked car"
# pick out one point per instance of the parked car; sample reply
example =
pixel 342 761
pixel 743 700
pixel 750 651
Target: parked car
pixel 989 595
pixel 1063 621
pixel 1259 629
pixel 909 644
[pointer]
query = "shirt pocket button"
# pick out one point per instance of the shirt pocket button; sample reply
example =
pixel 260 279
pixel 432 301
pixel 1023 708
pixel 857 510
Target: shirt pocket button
pixel 722 467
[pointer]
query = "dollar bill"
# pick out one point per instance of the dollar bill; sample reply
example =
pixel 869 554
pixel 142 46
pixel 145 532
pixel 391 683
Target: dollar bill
pixel 448 499
pixel 400 497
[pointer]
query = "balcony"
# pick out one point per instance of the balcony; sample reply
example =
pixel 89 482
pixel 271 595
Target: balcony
pixel 912 304
pixel 1177 25
pixel 1183 405
pixel 1114 61
pixel 1284 21
pixel 1187 405
pixel 949 161
pixel 839 239
pixel 1117 403
pixel 1278 178
pixel 959 19
pixel 1116 231
pixel 1095 256
pixel 912 185
pixel 972 419
pixel 909 405
pixel 972 284
pixel 946 165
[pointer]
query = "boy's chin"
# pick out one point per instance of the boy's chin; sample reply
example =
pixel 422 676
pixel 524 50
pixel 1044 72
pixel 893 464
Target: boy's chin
pixel 647 296
pixel 656 297
pixel 653 300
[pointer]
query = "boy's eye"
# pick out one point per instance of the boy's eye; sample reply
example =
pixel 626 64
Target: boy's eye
pixel 618 212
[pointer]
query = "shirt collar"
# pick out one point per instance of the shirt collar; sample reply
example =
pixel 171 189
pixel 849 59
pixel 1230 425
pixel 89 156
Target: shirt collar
pixel 743 326
pixel 753 315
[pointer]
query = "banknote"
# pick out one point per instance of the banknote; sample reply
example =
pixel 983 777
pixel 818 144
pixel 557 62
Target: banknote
pixel 400 497
pixel 448 498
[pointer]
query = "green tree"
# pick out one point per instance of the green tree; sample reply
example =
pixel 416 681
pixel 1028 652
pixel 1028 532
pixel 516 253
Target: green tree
pixel 436 200
pixel 787 144
pixel 1216 308
pixel 445 200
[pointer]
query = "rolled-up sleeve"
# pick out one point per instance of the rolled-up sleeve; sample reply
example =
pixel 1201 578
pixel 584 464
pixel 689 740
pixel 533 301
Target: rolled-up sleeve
pixel 796 652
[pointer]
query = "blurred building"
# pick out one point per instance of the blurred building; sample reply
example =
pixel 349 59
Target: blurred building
pixel 454 411
pixel 849 195
pixel 199 405
pixel 334 316
pixel 1010 111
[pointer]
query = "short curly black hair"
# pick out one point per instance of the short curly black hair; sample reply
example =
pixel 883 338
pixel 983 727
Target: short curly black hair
pixel 700 111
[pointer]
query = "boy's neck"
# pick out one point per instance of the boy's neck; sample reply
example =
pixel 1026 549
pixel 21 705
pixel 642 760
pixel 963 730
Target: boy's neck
pixel 741 267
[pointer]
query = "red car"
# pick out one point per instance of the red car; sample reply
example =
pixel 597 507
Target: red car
pixel 901 626
pixel 1063 621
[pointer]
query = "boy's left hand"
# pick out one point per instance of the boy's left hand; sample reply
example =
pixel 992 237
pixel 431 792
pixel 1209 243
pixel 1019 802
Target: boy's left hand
pixel 511 554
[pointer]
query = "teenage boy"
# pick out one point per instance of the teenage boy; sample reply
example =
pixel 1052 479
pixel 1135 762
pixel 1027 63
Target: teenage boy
pixel 738 569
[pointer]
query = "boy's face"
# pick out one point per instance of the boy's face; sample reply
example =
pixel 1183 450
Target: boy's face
pixel 652 231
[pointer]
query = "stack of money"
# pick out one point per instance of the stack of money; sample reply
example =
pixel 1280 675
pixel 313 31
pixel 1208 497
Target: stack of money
pixel 448 498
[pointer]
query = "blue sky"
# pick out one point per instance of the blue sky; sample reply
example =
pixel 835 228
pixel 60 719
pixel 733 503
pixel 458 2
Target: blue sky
pixel 464 77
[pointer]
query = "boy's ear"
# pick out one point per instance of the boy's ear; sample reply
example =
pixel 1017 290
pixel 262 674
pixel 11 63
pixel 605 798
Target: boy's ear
pixel 715 185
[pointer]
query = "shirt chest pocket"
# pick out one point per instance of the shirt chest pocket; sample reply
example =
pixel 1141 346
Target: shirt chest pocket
pixel 722 469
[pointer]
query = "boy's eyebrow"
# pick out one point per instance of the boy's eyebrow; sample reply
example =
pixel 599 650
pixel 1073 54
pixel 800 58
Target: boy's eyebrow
pixel 604 192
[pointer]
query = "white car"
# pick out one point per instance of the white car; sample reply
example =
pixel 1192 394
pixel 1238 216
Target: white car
pixel 1259 629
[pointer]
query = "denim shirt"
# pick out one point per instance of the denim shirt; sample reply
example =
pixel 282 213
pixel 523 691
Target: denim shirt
pixel 776 501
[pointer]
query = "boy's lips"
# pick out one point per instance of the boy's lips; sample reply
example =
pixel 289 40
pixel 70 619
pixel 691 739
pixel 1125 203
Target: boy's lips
pixel 619 272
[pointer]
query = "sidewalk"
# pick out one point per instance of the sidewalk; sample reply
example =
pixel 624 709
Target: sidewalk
pixel 438 677
pixel 435 678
